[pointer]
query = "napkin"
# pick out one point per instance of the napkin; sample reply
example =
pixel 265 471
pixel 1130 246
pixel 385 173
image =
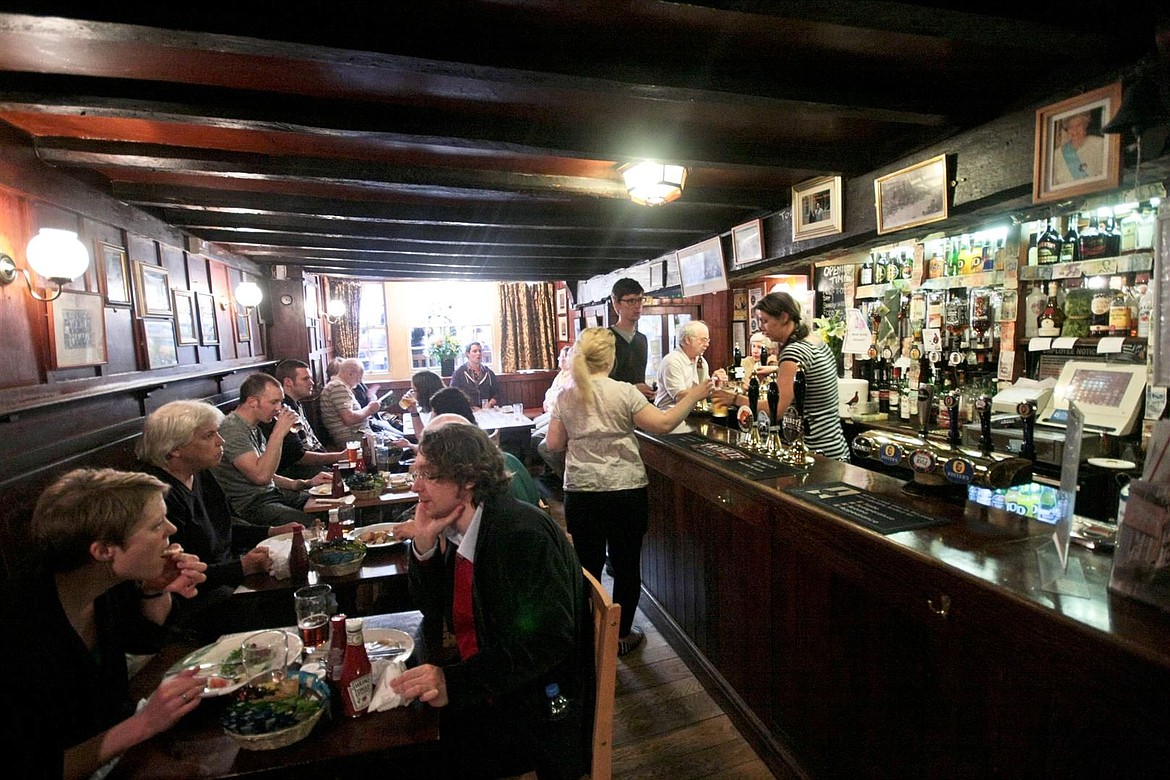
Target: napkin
pixel 278 550
pixel 385 697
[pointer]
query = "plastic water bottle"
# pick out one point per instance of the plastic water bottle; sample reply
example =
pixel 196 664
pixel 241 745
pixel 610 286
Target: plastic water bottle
pixel 558 705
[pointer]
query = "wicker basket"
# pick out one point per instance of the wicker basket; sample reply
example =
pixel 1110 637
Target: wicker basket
pixel 277 739
pixel 366 495
pixel 340 569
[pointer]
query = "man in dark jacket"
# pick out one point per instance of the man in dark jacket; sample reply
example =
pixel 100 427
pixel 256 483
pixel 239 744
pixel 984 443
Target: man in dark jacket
pixel 511 588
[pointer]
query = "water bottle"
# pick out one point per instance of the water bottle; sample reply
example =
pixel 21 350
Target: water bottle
pixel 558 705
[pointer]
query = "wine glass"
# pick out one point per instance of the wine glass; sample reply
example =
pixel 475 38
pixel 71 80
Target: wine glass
pixel 265 652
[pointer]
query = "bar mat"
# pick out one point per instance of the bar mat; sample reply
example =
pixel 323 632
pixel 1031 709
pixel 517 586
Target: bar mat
pixel 729 456
pixel 874 512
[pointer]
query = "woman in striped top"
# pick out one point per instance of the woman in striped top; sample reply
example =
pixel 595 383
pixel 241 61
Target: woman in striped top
pixel 780 320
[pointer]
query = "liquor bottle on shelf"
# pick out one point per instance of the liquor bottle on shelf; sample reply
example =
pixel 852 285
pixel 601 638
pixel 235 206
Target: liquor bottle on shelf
pixel 879 269
pixel 1052 318
pixel 904 404
pixel 964 257
pixel 1094 243
pixel 1049 245
pixel 1112 237
pixel 894 404
pixel 1070 250
pixel 866 277
pixel 938 265
pixel 1145 312
pixel 907 265
pixel 736 372
pixel 1128 228
pixel 1034 306
pixel 1118 309
pixel 1099 312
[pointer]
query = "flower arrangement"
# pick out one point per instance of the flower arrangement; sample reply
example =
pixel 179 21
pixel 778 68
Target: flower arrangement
pixel 444 347
pixel 831 331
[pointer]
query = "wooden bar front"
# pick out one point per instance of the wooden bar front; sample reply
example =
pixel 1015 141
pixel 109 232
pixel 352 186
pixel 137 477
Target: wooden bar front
pixel 923 653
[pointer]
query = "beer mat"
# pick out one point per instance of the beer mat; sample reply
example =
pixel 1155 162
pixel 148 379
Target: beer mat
pixel 729 456
pixel 876 513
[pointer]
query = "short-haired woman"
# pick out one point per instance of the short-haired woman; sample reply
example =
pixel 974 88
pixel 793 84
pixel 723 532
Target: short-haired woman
pixel 606 498
pixel 104 577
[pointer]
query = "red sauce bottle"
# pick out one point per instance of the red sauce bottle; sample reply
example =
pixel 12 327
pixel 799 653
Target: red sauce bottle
pixel 298 559
pixel 357 684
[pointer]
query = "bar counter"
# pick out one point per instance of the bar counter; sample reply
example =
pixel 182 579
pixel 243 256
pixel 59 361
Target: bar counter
pixel 930 652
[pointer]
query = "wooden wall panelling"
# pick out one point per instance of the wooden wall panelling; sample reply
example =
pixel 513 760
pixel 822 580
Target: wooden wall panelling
pixel 19 321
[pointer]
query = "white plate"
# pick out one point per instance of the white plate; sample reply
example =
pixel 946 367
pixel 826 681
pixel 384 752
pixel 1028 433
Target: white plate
pixel 210 658
pixel 390 637
pixel 325 491
pixel 389 527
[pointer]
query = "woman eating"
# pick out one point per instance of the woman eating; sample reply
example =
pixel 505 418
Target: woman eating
pixel 476 380
pixel 105 576
pixel 606 497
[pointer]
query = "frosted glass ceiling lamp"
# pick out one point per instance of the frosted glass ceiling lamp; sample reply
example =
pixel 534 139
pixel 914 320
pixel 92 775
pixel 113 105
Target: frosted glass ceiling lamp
pixel 57 255
pixel 652 183
pixel 249 295
pixel 334 310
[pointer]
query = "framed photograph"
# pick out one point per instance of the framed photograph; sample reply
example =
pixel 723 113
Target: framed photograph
pixel 912 196
pixel 748 240
pixel 754 294
pixel 186 327
pixel 243 324
pixel 562 328
pixel 739 305
pixel 701 269
pixel 161 351
pixel 562 301
pixel 816 208
pixel 208 324
pixel 115 273
pixel 154 290
pixel 77 329
pixel 1073 156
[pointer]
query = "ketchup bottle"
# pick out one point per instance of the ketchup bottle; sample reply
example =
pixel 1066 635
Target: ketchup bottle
pixel 357 684
pixel 334 529
pixel 298 559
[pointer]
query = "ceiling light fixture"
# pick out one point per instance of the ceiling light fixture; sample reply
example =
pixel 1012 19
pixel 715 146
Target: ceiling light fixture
pixel 249 295
pixel 57 255
pixel 652 183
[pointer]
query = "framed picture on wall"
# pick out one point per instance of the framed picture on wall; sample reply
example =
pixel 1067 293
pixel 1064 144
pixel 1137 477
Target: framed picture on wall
pixel 748 240
pixel 243 324
pixel 161 351
pixel 562 328
pixel 208 324
pixel 913 196
pixel 115 273
pixel 186 326
pixel 1072 155
pixel 816 208
pixel 154 290
pixel 739 306
pixel 562 301
pixel 77 329
pixel 701 269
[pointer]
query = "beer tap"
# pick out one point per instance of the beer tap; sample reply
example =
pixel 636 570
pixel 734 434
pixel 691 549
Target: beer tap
pixel 773 444
pixel 1027 412
pixel 983 407
pixel 951 402
pixel 925 406
pixel 753 395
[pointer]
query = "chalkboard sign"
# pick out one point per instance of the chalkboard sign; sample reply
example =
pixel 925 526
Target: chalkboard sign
pixel 830 287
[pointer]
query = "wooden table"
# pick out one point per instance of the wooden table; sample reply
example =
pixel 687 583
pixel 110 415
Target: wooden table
pixel 488 419
pixel 399 743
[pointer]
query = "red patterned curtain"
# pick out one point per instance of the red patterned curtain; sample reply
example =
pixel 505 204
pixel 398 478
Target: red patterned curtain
pixel 527 326
pixel 347 330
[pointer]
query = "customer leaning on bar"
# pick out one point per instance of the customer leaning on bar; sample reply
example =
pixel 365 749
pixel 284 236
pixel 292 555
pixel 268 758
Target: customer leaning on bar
pixel 102 584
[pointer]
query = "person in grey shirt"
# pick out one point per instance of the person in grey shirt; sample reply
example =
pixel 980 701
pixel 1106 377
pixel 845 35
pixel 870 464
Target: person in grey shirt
pixel 247 472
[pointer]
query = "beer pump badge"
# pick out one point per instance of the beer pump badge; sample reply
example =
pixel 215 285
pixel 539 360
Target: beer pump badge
pixel 959 471
pixel 890 454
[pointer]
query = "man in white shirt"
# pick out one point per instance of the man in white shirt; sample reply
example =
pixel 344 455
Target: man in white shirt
pixel 679 371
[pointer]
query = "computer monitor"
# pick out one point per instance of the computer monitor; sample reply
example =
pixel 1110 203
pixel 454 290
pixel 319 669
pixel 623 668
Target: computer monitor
pixel 1109 394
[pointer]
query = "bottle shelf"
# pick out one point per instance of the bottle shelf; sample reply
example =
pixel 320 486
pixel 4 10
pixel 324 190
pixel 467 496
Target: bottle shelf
pixel 981 279
pixel 1130 263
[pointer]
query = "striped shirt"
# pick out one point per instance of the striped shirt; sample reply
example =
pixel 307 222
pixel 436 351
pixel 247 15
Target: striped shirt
pixel 816 360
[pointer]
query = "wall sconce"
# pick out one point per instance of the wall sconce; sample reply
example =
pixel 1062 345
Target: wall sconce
pixel 652 183
pixel 334 310
pixel 249 295
pixel 57 255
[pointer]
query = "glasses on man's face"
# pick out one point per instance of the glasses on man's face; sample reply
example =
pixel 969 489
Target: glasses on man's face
pixel 427 476
pixel 632 301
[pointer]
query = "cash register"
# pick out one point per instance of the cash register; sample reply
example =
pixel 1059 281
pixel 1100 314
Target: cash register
pixel 1109 394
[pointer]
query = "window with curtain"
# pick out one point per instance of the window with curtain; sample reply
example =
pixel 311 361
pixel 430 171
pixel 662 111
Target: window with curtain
pixel 373 338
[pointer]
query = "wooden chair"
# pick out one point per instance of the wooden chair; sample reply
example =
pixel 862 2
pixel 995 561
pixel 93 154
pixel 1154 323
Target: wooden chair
pixel 606 617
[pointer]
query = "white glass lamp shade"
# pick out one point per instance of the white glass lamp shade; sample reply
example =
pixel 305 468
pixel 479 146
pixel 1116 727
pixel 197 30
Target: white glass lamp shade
pixel 248 294
pixel 335 309
pixel 57 254
pixel 652 184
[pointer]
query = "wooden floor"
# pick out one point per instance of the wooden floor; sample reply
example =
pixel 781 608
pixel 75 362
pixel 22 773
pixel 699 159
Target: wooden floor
pixel 665 723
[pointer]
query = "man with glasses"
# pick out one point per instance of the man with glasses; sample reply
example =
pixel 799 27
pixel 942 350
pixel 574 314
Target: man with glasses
pixel 679 371
pixel 302 455
pixel 632 349
pixel 511 587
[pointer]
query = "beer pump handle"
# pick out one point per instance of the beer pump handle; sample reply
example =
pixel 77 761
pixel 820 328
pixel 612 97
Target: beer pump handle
pixel 773 400
pixel 1027 412
pixel 954 438
pixel 753 395
pixel 925 404
pixel 983 406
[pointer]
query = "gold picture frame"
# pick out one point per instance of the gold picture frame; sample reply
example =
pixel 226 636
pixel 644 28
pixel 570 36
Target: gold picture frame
pixel 115 274
pixel 1072 156
pixel 917 195
pixel 817 208
pixel 77 329
pixel 186 325
pixel 159 338
pixel 154 290
pixel 208 320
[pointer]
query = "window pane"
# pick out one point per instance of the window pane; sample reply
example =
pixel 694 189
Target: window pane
pixel 372 338
pixel 464 310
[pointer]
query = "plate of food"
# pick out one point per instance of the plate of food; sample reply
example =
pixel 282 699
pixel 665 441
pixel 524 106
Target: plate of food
pixel 387 643
pixel 222 662
pixel 324 491
pixel 377 536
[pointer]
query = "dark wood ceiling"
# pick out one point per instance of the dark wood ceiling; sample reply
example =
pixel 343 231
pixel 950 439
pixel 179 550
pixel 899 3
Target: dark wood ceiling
pixel 482 139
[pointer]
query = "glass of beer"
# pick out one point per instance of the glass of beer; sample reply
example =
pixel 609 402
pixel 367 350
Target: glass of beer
pixel 407 400
pixel 314 605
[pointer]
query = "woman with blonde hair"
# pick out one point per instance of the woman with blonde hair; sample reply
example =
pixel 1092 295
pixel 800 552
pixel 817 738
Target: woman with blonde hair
pixel 606 498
